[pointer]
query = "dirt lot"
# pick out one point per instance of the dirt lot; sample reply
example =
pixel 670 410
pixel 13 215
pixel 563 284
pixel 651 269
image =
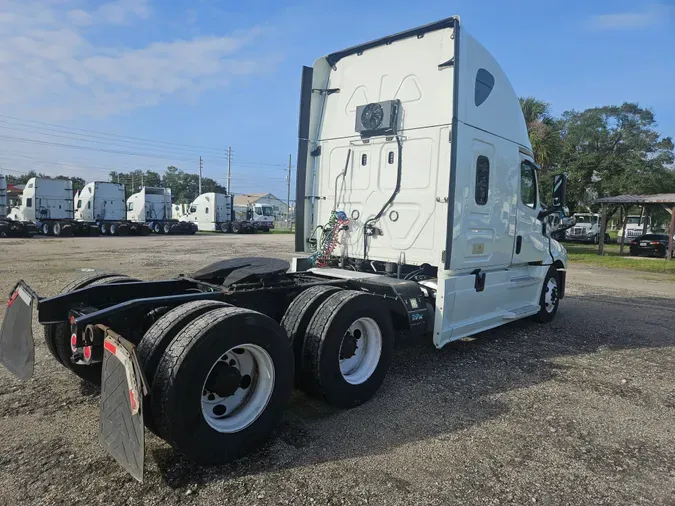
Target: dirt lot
pixel 576 412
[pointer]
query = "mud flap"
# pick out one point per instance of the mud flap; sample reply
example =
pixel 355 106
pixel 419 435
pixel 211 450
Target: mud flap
pixel 121 429
pixel 17 348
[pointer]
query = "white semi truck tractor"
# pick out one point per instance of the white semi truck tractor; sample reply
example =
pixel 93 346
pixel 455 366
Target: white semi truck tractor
pixel 49 205
pixel 419 217
pixel 8 226
pixel 152 206
pixel 103 204
pixel 216 212
pixel 586 229
pixel 253 217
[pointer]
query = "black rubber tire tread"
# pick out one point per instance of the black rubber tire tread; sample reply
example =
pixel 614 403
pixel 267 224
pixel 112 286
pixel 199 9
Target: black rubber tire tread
pixel 90 373
pixel 179 419
pixel 544 316
pixel 296 320
pixel 76 284
pixel 159 336
pixel 324 337
pixel 120 278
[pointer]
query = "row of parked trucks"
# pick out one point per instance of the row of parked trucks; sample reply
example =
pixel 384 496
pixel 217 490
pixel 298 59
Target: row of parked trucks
pixel 51 207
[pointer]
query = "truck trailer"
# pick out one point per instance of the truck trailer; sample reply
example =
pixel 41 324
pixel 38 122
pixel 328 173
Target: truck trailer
pixel 8 226
pixel 418 217
pixel 152 206
pixel 49 204
pixel 104 205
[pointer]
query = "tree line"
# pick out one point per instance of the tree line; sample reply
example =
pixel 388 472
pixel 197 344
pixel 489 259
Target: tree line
pixel 184 186
pixel 604 151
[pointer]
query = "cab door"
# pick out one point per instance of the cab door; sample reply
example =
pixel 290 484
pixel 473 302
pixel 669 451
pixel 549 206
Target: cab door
pixel 531 244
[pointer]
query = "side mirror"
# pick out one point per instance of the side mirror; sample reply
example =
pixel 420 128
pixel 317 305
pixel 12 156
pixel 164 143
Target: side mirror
pixel 559 191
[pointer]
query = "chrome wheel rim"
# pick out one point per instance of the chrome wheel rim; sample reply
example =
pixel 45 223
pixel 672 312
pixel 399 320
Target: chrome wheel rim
pixel 237 388
pixel 551 295
pixel 360 351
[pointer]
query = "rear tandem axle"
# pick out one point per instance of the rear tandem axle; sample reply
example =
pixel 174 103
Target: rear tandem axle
pixel 216 353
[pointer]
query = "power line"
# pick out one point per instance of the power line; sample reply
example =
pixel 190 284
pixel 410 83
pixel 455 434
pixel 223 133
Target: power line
pixel 216 153
pixel 111 135
pixel 97 140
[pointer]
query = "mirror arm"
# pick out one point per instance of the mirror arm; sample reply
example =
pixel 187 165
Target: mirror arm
pixel 548 212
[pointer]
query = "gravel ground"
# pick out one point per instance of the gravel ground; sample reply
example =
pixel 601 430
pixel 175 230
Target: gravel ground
pixel 579 411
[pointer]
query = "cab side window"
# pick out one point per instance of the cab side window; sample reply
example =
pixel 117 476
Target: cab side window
pixel 29 202
pixel 482 180
pixel 528 185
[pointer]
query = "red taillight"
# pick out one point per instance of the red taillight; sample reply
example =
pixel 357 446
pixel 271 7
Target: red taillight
pixel 633 243
pixel 73 342
pixel 656 243
pixel 86 351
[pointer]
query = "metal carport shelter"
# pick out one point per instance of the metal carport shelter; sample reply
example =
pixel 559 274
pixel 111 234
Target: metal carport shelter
pixel 665 200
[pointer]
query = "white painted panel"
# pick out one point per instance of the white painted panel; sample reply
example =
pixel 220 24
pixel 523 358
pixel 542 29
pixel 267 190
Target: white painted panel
pixel 414 226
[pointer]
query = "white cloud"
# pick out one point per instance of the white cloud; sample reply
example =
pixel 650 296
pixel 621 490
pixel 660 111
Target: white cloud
pixel 652 15
pixel 50 66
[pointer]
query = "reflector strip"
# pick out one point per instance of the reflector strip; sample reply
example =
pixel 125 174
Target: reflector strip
pixel 12 298
pixel 110 347
pixel 132 401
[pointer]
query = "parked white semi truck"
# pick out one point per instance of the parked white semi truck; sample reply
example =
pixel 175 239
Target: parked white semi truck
pixel 152 206
pixel 586 229
pixel 103 204
pixel 8 226
pixel 419 217
pixel 49 205
pixel 635 227
pixel 216 212
pixel 253 218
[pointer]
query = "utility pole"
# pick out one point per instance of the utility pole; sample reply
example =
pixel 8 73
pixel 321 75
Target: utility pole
pixel 201 165
pixel 229 168
pixel 288 193
pixel 142 179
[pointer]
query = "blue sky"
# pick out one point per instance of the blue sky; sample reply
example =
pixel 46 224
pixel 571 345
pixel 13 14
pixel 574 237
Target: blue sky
pixel 222 73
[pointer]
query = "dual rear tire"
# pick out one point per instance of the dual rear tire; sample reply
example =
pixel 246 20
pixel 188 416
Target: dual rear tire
pixel 343 342
pixel 57 335
pixel 220 378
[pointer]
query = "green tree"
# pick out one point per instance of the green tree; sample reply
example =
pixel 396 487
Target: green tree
pixel 542 130
pixel 614 150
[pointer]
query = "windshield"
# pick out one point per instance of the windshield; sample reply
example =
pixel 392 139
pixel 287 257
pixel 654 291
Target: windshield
pixel 264 210
pixel 635 220
pixel 586 218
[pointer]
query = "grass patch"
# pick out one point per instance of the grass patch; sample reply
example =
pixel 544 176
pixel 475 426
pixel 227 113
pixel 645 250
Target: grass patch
pixel 282 231
pixel 588 254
